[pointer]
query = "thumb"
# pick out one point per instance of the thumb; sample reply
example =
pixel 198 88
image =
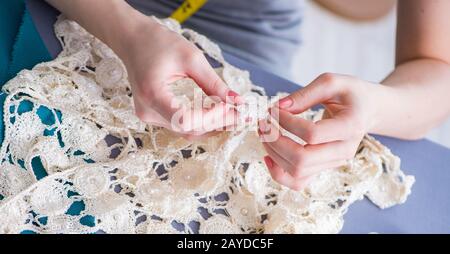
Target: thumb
pixel 325 87
pixel 208 80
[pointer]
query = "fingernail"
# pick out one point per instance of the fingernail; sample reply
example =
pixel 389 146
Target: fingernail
pixel 285 102
pixel 275 113
pixel 263 126
pixel 232 93
pixel 268 161
pixel 235 96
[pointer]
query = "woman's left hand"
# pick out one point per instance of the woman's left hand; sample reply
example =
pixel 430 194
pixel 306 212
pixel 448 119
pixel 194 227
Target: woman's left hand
pixel 350 112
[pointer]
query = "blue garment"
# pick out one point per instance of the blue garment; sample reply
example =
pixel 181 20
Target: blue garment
pixel 264 32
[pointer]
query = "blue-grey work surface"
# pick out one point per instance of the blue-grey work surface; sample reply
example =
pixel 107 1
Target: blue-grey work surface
pixel 427 209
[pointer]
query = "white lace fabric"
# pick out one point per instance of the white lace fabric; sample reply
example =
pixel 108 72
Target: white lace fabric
pixel 106 171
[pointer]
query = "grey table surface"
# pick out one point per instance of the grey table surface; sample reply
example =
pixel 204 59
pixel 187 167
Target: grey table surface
pixel 427 209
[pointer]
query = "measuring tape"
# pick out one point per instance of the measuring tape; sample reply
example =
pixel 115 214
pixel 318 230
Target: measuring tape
pixel 187 9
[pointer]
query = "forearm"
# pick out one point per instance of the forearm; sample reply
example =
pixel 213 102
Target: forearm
pixel 413 99
pixel 358 9
pixel 112 21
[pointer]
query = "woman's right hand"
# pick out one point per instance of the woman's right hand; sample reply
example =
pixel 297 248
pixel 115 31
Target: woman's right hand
pixel 155 57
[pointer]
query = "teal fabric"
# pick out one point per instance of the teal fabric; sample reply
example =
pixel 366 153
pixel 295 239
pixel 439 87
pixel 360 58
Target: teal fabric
pixel 10 20
pixel 2 128
pixel 28 49
pixel 20 44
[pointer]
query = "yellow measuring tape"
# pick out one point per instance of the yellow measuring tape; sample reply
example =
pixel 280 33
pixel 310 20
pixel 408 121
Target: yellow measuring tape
pixel 187 9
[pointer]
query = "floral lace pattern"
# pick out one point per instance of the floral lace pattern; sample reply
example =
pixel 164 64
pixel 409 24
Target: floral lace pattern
pixel 76 159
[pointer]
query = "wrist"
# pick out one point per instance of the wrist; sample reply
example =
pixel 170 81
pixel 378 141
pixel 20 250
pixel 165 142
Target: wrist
pixel 383 99
pixel 128 23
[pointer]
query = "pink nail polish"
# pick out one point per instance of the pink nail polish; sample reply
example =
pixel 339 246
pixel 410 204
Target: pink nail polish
pixel 268 161
pixel 236 97
pixel 263 128
pixel 285 102
pixel 232 93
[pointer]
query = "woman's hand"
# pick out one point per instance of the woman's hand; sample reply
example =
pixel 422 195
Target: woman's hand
pixel 350 112
pixel 412 100
pixel 155 57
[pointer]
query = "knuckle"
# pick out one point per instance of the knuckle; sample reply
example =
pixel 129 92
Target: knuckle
pixel 193 56
pixel 296 172
pixel 358 127
pixel 142 114
pixel 298 160
pixel 348 129
pixel 146 91
pixel 297 186
pixel 350 153
pixel 276 175
pixel 357 135
pixel 353 130
pixel 331 79
pixel 216 83
pixel 299 95
pixel 311 135
pixel 180 45
pixel 328 77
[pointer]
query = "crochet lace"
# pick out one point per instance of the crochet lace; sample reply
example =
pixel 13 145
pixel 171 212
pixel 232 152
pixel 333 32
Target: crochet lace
pixel 76 159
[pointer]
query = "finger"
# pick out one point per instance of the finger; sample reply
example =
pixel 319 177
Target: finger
pixel 148 115
pixel 152 117
pixel 161 100
pixel 321 89
pixel 288 149
pixel 205 120
pixel 291 154
pixel 333 151
pixel 196 136
pixel 305 163
pixel 307 172
pixel 283 178
pixel 301 157
pixel 326 130
pixel 208 80
pixel 181 119
pixel 284 146
pixel 286 165
pixel 220 116
pixel 267 131
pixel 312 155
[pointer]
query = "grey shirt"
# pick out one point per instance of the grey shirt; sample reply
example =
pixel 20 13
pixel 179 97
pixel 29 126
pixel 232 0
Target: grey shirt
pixel 264 32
